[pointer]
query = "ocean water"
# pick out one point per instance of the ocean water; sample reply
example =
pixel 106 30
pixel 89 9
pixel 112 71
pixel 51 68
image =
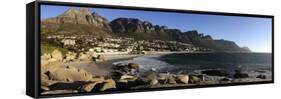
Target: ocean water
pixel 193 63
pixel 148 63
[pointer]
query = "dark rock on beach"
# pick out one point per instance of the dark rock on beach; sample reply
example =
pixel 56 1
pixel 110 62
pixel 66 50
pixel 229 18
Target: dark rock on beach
pixel 239 74
pixel 120 70
pixel 215 72
pixel 225 79
pixel 261 76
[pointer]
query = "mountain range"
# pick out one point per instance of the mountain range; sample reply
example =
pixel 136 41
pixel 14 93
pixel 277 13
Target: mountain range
pixel 83 21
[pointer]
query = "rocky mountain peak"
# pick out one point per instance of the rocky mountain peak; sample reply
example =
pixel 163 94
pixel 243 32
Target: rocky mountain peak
pixel 79 20
pixel 79 16
pixel 86 10
pixel 70 13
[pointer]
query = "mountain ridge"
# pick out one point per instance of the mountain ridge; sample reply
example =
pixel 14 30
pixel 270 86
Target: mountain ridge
pixel 82 21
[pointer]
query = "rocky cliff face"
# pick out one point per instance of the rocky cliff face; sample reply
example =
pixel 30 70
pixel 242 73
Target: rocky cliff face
pixel 141 29
pixel 145 30
pixel 132 25
pixel 75 21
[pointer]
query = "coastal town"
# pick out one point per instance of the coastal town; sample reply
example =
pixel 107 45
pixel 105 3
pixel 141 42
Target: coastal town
pixel 118 45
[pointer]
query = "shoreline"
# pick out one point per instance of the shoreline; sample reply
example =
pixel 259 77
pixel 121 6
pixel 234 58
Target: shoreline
pixel 102 68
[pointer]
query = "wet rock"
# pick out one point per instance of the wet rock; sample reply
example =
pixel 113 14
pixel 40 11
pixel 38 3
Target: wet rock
pixel 116 74
pixel 125 84
pixel 67 85
pixel 225 79
pixel 215 72
pixel 239 74
pixel 121 69
pixel 261 71
pixel 133 66
pixel 261 76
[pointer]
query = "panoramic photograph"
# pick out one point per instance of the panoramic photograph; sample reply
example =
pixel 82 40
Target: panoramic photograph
pixel 93 50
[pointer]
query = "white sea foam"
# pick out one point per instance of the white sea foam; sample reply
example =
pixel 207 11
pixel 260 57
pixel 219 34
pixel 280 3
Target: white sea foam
pixel 152 62
pixel 147 63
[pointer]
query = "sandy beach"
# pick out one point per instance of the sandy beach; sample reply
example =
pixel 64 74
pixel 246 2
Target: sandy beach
pixel 102 68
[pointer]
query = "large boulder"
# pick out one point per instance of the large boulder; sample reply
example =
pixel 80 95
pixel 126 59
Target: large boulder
pixel 108 84
pixel 196 78
pixel 166 78
pixel 153 82
pixel 70 74
pixel 150 79
pixel 183 79
pixel 57 55
pixel 239 74
pixel 261 76
pixel 121 69
pixel 162 76
pixel 171 80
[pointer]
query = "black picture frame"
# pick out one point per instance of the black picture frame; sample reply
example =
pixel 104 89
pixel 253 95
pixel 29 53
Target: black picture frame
pixel 33 46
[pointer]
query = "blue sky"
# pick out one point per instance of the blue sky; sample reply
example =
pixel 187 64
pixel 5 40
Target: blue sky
pixel 254 33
